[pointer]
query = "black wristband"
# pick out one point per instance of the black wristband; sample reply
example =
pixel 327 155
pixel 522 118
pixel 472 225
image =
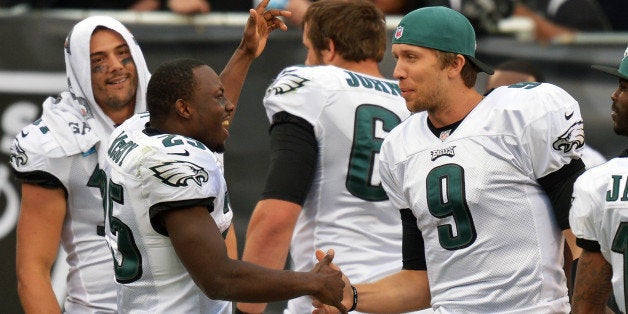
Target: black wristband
pixel 355 298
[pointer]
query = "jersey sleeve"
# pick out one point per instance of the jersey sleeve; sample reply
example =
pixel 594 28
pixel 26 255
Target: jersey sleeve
pixel 392 176
pixel 171 181
pixel 294 154
pixel 36 158
pixel 298 91
pixel 413 245
pixel 555 134
pixel 585 213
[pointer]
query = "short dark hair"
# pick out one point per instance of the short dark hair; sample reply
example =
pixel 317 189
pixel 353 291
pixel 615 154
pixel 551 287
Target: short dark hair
pixel 357 28
pixel 469 72
pixel 171 81
pixel 101 28
pixel 522 66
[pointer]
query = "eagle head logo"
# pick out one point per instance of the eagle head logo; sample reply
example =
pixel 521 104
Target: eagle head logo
pixel 178 173
pixel 18 155
pixel 573 138
pixel 286 82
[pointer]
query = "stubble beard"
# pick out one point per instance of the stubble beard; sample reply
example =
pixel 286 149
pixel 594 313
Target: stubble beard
pixel 115 101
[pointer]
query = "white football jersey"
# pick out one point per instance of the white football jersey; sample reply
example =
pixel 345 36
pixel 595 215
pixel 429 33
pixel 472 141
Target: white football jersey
pixel 592 157
pixel 48 147
pixel 36 150
pixel 346 208
pixel 492 243
pixel 148 173
pixel 599 213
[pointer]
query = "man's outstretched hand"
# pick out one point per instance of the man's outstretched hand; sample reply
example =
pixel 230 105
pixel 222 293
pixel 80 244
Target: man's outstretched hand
pixel 259 25
pixel 347 293
pixel 332 291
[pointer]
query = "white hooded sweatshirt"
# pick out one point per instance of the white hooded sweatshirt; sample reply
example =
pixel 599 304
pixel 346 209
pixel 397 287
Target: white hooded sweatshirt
pixel 65 146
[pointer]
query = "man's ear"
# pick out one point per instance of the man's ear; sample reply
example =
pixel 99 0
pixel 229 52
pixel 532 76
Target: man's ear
pixel 456 67
pixel 182 108
pixel 329 54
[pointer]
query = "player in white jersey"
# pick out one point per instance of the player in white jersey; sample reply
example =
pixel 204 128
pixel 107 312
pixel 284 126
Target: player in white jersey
pixel 599 217
pixel 476 196
pixel 167 206
pixel 152 173
pixel 58 159
pixel 483 183
pixel 58 156
pixel 517 71
pixel 328 120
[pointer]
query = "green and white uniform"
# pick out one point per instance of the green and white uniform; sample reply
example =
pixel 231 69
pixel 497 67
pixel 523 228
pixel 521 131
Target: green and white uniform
pixel 492 242
pixel 599 217
pixel 149 173
pixel 346 208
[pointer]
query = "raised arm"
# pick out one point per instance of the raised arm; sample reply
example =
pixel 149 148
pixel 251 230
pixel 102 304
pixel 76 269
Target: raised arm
pixel 260 24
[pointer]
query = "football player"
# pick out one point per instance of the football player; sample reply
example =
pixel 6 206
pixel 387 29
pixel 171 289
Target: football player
pixel 328 121
pixel 483 184
pixel 59 158
pixel 599 216
pixel 167 207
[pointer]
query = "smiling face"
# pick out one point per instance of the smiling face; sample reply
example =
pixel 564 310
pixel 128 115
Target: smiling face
pixel 619 108
pixel 212 109
pixel 422 78
pixel 113 72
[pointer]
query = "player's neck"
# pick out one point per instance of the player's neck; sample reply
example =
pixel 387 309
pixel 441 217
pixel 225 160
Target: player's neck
pixel 455 108
pixel 368 67
pixel 119 115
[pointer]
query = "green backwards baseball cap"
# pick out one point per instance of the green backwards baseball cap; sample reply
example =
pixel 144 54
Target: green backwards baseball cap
pixel 621 72
pixel 439 28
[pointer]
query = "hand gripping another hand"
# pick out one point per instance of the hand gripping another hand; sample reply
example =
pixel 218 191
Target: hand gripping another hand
pixel 332 291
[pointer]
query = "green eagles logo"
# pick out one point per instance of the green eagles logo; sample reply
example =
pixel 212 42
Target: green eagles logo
pixel 573 138
pixel 18 156
pixel 178 173
pixel 287 82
